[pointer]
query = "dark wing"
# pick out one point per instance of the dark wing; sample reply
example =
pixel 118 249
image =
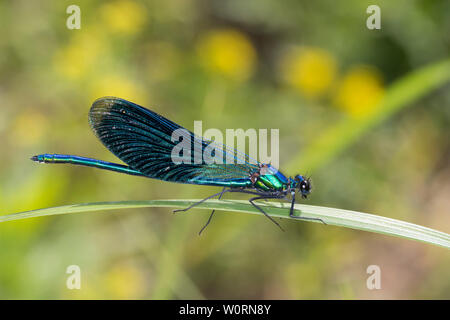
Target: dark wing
pixel 143 140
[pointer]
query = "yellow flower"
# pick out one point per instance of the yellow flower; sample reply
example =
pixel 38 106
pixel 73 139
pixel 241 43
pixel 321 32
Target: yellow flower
pixel 309 70
pixel 125 282
pixel 359 91
pixel 227 52
pixel 123 16
pixel 118 86
pixel 75 60
pixel 28 128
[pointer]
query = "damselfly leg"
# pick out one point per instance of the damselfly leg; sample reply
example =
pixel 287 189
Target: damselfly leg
pixel 211 215
pixel 201 201
pixel 291 213
pixel 260 209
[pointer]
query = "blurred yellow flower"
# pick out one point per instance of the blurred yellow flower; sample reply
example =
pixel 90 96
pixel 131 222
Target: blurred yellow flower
pixel 118 86
pixel 28 128
pixel 227 52
pixel 125 282
pixel 74 60
pixel 359 91
pixel 123 16
pixel 309 70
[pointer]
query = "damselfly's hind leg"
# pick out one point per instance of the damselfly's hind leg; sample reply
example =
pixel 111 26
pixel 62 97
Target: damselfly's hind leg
pixel 211 215
pixel 201 201
pixel 220 194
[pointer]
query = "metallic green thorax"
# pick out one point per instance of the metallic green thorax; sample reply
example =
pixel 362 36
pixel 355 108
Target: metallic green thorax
pixel 271 180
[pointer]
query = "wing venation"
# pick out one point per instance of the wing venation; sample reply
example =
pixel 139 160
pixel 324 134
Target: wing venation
pixel 143 140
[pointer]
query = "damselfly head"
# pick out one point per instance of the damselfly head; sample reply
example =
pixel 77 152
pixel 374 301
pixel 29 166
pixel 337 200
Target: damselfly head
pixel 303 185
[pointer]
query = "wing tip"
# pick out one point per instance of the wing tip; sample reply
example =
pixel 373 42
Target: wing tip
pixel 99 107
pixel 106 100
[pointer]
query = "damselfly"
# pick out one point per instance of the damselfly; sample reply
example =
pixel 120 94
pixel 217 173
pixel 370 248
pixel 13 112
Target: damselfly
pixel 144 141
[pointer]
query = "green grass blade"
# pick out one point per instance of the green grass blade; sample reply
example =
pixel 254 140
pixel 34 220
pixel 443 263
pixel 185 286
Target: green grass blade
pixel 331 216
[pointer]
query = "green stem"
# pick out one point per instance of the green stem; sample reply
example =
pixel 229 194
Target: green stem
pixel 331 216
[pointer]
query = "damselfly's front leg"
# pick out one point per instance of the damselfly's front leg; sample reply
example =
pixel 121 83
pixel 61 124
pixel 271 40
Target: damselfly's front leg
pixel 291 212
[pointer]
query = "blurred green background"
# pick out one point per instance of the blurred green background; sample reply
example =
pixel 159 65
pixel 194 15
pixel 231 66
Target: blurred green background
pixel 311 69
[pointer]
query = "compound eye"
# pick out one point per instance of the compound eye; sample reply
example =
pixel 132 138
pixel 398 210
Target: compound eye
pixel 304 186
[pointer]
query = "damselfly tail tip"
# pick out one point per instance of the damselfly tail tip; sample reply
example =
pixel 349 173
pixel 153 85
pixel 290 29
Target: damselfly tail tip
pixel 36 158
